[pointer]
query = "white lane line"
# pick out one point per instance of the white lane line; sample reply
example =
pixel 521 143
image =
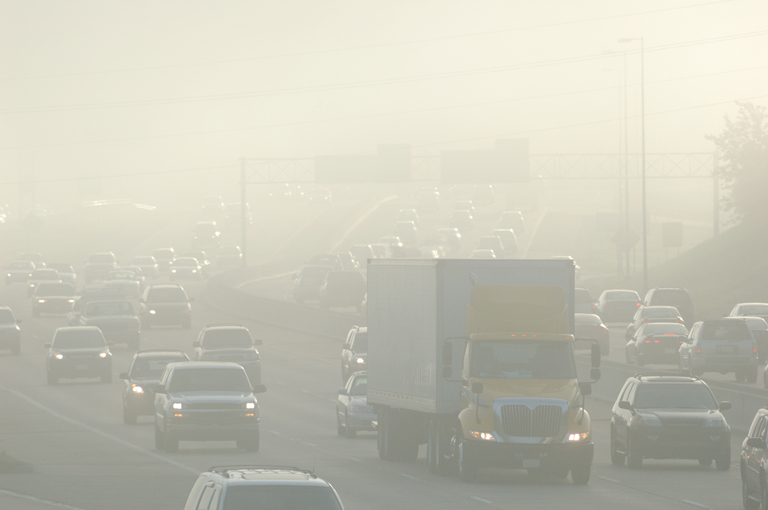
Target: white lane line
pixel 693 503
pixel 409 476
pixel 274 432
pixel 481 500
pixel 356 460
pixel 310 444
pixel 117 440
pixel 612 480
pixel 38 500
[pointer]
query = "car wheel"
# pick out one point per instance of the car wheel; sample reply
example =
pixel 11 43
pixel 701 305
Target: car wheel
pixel 748 502
pixel 339 426
pixel 159 438
pixel 52 379
pixel 581 471
pixel 617 458
pixel 705 462
pixel 171 443
pixel 723 461
pixel 348 430
pixel 106 377
pixel 634 457
pixel 129 417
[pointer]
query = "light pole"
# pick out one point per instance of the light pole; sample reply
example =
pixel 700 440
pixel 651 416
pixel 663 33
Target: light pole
pixel 623 212
pixel 642 157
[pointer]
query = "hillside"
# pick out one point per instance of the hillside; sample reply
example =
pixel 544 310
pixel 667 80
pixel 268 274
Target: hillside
pixel 718 273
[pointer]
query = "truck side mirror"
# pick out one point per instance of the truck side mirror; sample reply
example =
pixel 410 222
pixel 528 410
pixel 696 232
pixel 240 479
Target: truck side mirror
pixel 596 356
pixel 625 405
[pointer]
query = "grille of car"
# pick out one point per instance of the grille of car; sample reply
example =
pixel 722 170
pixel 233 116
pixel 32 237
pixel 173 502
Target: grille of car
pixel 214 405
pixel 522 421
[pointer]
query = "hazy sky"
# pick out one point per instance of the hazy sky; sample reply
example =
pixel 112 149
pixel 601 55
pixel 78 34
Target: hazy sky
pixel 99 88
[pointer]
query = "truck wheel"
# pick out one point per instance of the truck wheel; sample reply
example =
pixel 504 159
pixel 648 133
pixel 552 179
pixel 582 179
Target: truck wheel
pixel 384 443
pixel 438 448
pixel 171 443
pixel 723 461
pixel 617 458
pixel 580 472
pixel 159 438
pixel 634 457
pixel 348 430
pixel 467 467
pixel 129 417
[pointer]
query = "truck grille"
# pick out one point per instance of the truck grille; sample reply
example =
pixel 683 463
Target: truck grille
pixel 522 421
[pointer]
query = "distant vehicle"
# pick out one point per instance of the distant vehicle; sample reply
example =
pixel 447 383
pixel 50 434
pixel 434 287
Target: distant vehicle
pixel 88 295
pixel 508 239
pixel 482 254
pixel 464 205
pixel 142 377
pixel 354 352
pixel 117 321
pixel 19 271
pixel 759 328
pixel 683 415
pixel 206 401
pixel 348 262
pixel 451 238
pixel 273 487
pixel 407 232
pixel 750 310
pixel 492 243
pixel 362 253
pixel 658 342
pixel 381 250
pixel 229 256
pixel 584 302
pixel 319 196
pixel 229 342
pixel 679 298
pixel 462 220
pixel 137 273
pixel 164 258
pixel 342 288
pixel 753 458
pixel 66 272
pixel 35 258
pixel 618 305
pixel 186 268
pixel 41 276
pixel 428 201
pixel 408 215
pixel 10 333
pixel 722 345
pixel 165 305
pixel 352 410
pixel 513 220
pixel 202 259
pixel 483 194
pixel 53 297
pixel 649 314
pixel 148 265
pixel 78 352
pixel 213 208
pixel 124 281
pixel 234 213
pixel 326 259
pixel 206 234
pixel 307 282
pixel 589 326
pixel 98 265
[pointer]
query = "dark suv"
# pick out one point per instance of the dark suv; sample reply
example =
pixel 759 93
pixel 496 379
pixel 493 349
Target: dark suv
pixel 754 458
pixel 669 417
pixel 78 352
pixel 142 376
pixel 679 298
pixel 249 487
pixel 229 342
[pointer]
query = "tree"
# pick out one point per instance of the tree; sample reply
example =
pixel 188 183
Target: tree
pixel 743 152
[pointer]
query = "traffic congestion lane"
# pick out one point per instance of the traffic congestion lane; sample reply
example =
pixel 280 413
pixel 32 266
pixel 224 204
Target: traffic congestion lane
pixel 302 373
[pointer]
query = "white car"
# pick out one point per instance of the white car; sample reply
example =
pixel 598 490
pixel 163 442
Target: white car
pixel 123 281
pixel 483 254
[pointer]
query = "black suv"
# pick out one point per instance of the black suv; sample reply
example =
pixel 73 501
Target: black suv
pixel 142 376
pixel 754 456
pixel 78 352
pixel 229 342
pixel 679 298
pixel 248 487
pixel 669 417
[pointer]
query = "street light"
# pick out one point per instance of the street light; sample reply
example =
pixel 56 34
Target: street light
pixel 642 158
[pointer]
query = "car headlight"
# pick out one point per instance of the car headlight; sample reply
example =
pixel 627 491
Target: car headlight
pixel 137 389
pixel 715 422
pixel 8 275
pixel 177 405
pixel 32 285
pixel 173 270
pixel 42 300
pixel 194 270
pixel 578 437
pixel 58 355
pixel 103 354
pixel 250 405
pixel 152 312
pixel 485 436
pixel 70 300
pixel 360 361
pixel 651 421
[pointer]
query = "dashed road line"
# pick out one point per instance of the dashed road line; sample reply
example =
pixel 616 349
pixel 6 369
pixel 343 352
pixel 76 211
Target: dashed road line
pixel 612 480
pixel 481 500
pixel 310 444
pixel 38 500
pixel 693 503
pixel 409 476
pixel 356 460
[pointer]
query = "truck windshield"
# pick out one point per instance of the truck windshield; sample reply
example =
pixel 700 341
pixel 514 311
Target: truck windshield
pixel 527 359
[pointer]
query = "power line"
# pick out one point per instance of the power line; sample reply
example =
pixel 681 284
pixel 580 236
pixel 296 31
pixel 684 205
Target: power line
pixel 385 81
pixel 372 46
pixel 113 176
pixel 376 115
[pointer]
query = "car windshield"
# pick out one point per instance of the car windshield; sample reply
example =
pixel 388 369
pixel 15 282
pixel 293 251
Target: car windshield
pixel 360 342
pixel 587 318
pixel 523 360
pixel 167 295
pixel 163 254
pixel 152 368
pixel 753 310
pixel 101 308
pixel 730 330
pixel 55 289
pixel 621 295
pixel 185 263
pixel 280 497
pixel 674 396
pixel 664 328
pixel 45 274
pixel 21 265
pixel 226 338
pixel 6 316
pixel 210 379
pixel 101 258
pixel 144 261
pixel 359 386
pixel 78 339
pixel 666 311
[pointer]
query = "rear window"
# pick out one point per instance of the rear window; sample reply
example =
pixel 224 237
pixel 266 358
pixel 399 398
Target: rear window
pixel 62 268
pixel 144 261
pixel 21 265
pixel 225 338
pixel 163 254
pixel 621 295
pixel 756 323
pixel 345 277
pixel 670 297
pixel 659 312
pixel 731 330
pixel 152 368
pixel 280 497
pixel 583 297
pixel 753 310
pixel 587 318
pixel 360 342
pixel 108 308
pixel 101 258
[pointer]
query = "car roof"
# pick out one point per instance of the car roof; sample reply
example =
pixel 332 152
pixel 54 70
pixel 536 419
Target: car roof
pixel 159 353
pixel 267 475
pixel 186 365
pixel 223 326
pixel 752 304
pixel 668 379
pixel 165 286
pixel 78 328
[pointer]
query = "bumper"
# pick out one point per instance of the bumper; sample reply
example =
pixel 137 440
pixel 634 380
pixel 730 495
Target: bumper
pixel 362 421
pixel 219 432
pixel 527 456
pixel 76 368
pixel 655 447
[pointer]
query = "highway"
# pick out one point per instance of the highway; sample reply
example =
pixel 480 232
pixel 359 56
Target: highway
pixel 83 456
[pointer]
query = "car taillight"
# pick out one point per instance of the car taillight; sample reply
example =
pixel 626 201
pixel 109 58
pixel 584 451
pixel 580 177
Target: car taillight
pixel 698 351
pixel 638 304
pixel 605 330
pixel 647 341
pixel 655 341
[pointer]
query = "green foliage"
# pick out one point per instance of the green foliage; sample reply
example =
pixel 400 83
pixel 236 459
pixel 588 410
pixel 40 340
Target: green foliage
pixel 743 150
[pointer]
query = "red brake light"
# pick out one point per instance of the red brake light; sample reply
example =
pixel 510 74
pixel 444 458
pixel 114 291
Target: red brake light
pixel 698 351
pixel 670 334
pixel 754 351
pixel 638 304
pixel 647 341
pixel 655 341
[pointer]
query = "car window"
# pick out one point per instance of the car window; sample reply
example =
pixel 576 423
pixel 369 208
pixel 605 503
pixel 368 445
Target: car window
pixel 360 342
pixel 625 391
pixel 587 318
pixel 753 310
pixel 151 368
pixel 195 492
pixel 280 497
pixel 659 312
pixel 623 295
pixel 671 297
pixel 674 396
pixel 736 330
pixel 359 386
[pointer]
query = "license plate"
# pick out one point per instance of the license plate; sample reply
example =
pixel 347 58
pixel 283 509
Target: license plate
pixel 82 367
pixel 726 349
pixel 670 350
pixel 531 463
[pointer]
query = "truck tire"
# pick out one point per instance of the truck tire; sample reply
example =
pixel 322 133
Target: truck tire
pixel 580 471
pixel 467 465
pixel 438 448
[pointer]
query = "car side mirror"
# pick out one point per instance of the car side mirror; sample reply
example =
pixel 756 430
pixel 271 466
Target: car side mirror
pixel 724 406
pixel 257 341
pixel 625 405
pixel 124 376
pixel 596 356
pixel 259 388
pixel 585 388
pixel 195 344
pixel 756 442
pixel 343 391
pixel 47 346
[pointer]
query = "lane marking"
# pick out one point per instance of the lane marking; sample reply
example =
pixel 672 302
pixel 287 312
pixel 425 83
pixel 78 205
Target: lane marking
pixel 409 476
pixel 274 432
pixel 612 480
pixel 482 500
pixel 694 503
pixel 38 500
pixel 356 460
pixel 101 433
pixel 310 444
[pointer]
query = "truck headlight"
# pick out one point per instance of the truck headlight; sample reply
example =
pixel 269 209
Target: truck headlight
pixel 578 437
pixel 250 405
pixel 485 436
pixel 177 405
pixel 42 301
